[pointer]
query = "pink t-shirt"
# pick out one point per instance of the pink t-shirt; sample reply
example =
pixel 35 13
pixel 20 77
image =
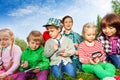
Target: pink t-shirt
pixel 85 52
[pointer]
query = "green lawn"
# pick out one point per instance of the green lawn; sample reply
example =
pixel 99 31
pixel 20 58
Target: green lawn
pixel 82 75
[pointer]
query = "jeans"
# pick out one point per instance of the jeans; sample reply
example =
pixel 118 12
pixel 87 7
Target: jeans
pixel 42 75
pixel 58 70
pixel 115 60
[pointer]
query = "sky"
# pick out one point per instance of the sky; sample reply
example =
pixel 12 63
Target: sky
pixel 23 16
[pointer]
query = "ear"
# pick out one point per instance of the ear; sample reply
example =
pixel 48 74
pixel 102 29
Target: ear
pixel 59 29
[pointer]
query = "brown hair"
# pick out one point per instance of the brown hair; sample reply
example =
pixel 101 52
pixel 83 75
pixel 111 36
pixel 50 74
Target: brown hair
pixel 111 20
pixel 66 17
pixel 36 36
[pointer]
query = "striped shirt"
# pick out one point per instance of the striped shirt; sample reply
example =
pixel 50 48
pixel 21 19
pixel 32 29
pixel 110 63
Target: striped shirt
pixel 85 52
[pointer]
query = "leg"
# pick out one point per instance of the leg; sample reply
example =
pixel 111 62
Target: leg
pixel 105 71
pixel 21 76
pixel 115 60
pixel 69 69
pixel 24 76
pixel 57 71
pixel 42 75
pixel 79 65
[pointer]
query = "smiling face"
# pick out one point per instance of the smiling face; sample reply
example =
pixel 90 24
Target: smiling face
pixel 109 31
pixel 6 38
pixel 67 23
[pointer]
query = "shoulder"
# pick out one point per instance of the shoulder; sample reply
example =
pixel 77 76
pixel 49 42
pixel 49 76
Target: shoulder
pixel 16 47
pixel 82 44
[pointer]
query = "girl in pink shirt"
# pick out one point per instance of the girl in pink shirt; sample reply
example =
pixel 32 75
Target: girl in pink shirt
pixel 9 55
pixel 91 55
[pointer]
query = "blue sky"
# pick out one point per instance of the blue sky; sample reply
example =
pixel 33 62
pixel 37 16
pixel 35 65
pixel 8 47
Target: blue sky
pixel 23 16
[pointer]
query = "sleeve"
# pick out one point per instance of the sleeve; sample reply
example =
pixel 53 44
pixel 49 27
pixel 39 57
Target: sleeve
pixel 44 64
pixel 79 38
pixel 16 60
pixel 49 48
pixel 83 57
pixel 102 58
pixel 22 59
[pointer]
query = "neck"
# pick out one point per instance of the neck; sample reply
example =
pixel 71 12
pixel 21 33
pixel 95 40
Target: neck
pixel 89 43
pixel 67 31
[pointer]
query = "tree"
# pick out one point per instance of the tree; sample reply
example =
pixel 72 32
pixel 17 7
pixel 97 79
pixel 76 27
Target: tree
pixel 21 43
pixel 116 6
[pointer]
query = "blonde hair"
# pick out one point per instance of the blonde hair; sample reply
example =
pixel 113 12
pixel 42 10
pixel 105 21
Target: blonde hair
pixel 88 26
pixel 6 30
pixel 36 36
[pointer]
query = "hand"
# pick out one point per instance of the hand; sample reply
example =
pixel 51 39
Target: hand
pixel 24 64
pixel 36 70
pixel 63 53
pixel 76 53
pixel 93 61
pixel 76 45
pixel 2 76
pixel 55 46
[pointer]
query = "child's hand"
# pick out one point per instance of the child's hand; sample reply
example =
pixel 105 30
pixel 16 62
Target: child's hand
pixel 94 61
pixel 36 70
pixel 64 53
pixel 2 76
pixel 55 46
pixel 76 53
pixel 24 64
pixel 76 45
pixel 1 67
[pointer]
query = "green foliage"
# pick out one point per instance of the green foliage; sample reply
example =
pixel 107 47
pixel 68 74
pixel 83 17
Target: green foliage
pixel 21 43
pixel 116 6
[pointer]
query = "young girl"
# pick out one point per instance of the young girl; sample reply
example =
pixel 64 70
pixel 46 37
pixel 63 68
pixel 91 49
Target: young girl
pixel 9 55
pixel 91 55
pixel 110 37
pixel 33 61
pixel 75 37
pixel 59 48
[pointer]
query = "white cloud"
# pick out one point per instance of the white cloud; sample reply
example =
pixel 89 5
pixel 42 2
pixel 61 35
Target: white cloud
pixel 24 11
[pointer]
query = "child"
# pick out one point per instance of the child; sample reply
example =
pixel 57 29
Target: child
pixel 75 37
pixel 9 55
pixel 110 37
pixel 33 61
pixel 91 55
pixel 59 49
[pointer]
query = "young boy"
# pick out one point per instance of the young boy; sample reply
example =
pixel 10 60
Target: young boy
pixel 59 48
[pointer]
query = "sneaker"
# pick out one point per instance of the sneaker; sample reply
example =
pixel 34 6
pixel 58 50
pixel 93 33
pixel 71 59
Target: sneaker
pixel 109 78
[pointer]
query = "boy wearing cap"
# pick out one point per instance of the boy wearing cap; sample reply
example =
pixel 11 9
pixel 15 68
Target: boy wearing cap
pixel 59 48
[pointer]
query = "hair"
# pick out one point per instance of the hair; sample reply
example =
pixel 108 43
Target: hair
pixel 87 26
pixel 111 19
pixel 36 36
pixel 10 32
pixel 6 30
pixel 63 19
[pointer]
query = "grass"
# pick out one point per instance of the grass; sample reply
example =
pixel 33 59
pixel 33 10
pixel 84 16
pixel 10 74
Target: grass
pixel 82 75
